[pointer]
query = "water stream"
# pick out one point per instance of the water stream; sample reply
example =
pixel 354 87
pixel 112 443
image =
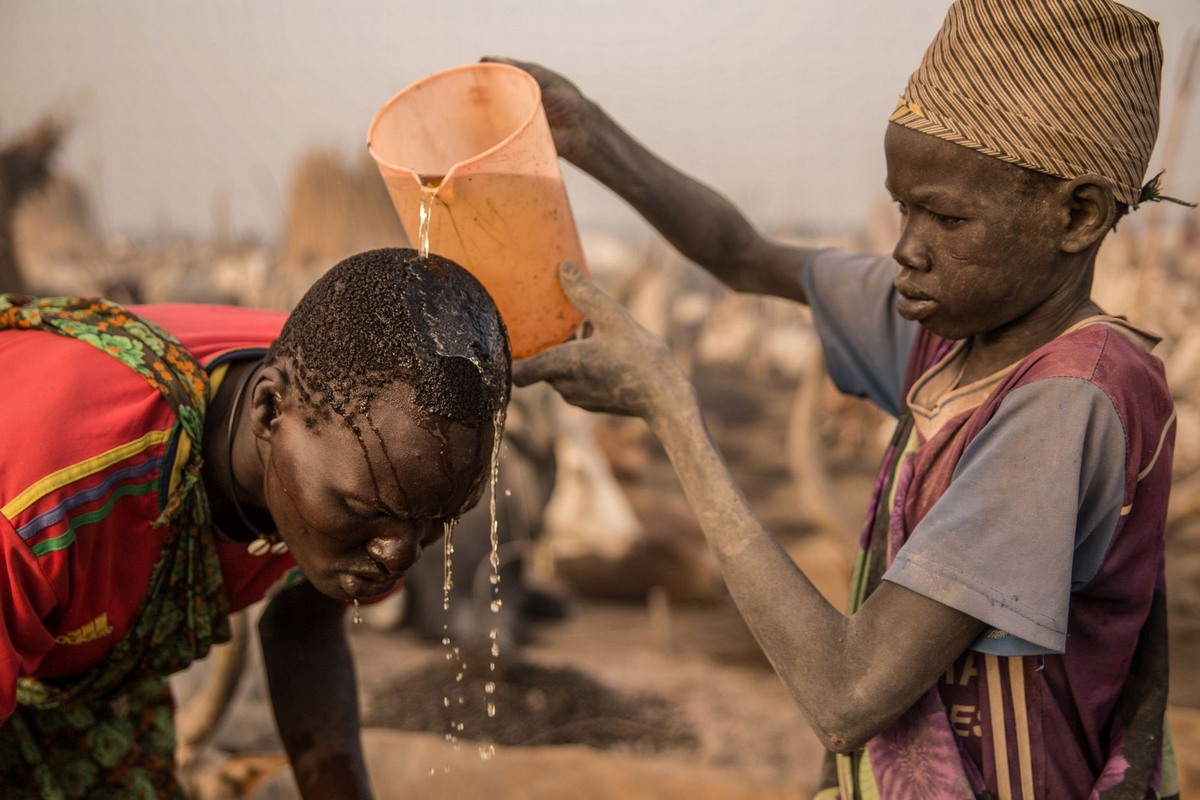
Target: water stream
pixel 429 189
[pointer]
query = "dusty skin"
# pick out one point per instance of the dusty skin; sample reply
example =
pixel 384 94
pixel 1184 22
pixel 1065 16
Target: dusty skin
pixel 807 640
pixel 969 267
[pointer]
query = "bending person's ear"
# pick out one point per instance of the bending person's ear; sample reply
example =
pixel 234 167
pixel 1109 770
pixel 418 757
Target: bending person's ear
pixel 266 400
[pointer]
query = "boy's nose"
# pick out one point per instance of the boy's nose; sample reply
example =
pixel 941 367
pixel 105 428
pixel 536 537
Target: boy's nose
pixel 910 251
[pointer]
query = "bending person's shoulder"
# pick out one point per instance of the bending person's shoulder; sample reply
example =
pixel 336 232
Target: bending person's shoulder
pixel 209 329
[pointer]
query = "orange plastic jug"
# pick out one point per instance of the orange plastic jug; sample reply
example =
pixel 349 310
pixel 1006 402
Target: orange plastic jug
pixel 475 142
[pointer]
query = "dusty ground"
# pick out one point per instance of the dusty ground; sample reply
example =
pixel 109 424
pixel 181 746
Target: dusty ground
pixel 631 700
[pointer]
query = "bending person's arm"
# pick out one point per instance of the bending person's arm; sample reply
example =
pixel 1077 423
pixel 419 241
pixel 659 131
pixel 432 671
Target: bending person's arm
pixel 310 674
pixel 697 221
pixel 850 675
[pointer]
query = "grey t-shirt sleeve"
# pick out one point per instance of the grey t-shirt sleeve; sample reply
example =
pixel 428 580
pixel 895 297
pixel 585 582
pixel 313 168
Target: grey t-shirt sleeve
pixel 1028 516
pixel 865 342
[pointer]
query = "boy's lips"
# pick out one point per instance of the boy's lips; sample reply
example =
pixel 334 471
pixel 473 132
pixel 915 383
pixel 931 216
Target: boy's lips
pixel 913 304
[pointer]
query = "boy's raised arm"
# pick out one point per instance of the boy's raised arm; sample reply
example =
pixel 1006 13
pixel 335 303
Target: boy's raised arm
pixel 851 676
pixel 700 223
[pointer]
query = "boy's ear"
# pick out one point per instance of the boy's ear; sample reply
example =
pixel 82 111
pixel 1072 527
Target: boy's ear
pixel 266 400
pixel 1092 211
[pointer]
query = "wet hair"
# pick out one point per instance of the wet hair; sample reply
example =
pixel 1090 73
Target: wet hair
pixel 388 316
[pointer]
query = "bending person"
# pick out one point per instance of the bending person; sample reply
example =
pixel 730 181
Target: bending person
pixel 167 465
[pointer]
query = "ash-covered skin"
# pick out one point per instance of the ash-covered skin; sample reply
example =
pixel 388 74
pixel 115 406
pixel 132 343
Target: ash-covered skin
pixel 432 326
pixel 988 251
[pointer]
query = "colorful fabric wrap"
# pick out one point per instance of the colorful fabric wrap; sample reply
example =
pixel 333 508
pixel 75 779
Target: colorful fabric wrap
pixel 109 732
pixel 1063 87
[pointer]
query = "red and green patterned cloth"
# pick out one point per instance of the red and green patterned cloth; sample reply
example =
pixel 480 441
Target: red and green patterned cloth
pixel 111 576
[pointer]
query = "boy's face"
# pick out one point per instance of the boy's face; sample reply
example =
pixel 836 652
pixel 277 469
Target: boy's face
pixel 978 248
pixel 357 510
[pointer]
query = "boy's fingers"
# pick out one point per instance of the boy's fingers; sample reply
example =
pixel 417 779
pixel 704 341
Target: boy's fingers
pixel 544 366
pixel 524 372
pixel 587 296
pixel 512 62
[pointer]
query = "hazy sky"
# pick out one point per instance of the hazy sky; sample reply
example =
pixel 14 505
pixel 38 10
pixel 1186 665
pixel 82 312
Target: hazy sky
pixel 779 104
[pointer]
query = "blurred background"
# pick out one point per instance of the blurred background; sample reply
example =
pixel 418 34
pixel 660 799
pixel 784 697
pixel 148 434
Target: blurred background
pixel 215 152
pixel 191 118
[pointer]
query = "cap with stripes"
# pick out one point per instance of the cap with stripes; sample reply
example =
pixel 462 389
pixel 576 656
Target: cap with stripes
pixel 1064 87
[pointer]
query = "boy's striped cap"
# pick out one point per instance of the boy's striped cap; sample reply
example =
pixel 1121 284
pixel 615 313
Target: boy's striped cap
pixel 1064 87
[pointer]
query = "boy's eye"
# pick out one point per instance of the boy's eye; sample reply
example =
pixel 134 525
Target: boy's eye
pixel 903 209
pixel 947 221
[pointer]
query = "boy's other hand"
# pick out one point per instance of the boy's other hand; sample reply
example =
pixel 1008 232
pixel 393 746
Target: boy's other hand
pixel 621 368
pixel 566 107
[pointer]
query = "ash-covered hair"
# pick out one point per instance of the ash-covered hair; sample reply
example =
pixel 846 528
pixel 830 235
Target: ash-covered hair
pixel 388 316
